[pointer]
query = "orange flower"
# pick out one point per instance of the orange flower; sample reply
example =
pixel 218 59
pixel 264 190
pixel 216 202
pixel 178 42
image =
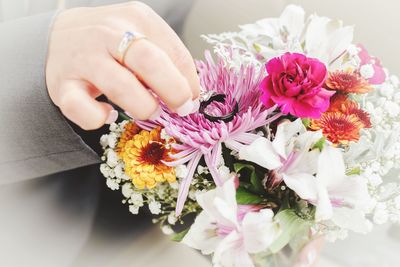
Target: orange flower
pixel 144 155
pixel 338 128
pixel 362 115
pixel 339 102
pixel 348 82
pixel 342 103
pixel 130 130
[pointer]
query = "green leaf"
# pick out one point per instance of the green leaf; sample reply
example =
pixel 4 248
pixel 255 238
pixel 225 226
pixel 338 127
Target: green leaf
pixel 244 197
pixel 124 117
pixel 228 158
pixel 254 180
pixel 320 143
pixel 291 224
pixel 354 171
pixel 241 166
pixel 306 122
pixel 179 236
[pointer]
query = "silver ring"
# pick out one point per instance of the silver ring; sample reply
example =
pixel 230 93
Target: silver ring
pixel 127 39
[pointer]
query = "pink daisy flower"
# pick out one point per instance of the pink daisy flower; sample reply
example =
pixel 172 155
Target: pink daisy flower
pixel 228 117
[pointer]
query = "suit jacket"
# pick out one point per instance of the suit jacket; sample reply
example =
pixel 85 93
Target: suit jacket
pixel 54 207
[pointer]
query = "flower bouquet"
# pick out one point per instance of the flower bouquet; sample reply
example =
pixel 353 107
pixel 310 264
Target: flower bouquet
pixel 296 137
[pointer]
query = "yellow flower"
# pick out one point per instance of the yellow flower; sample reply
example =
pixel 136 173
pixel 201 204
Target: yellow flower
pixel 143 155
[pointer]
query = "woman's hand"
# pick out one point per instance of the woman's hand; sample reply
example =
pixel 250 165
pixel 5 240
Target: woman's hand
pixel 83 64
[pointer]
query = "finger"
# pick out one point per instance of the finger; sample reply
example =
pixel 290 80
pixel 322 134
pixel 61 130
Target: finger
pixel 153 66
pixel 164 37
pixel 124 89
pixel 79 106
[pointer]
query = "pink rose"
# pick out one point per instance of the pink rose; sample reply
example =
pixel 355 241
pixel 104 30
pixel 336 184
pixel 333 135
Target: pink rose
pixel 294 83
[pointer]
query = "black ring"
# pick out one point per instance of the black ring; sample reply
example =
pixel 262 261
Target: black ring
pixel 221 99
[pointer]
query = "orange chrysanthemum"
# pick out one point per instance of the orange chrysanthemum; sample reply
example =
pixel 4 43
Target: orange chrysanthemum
pixel 130 130
pixel 362 115
pixel 342 103
pixel 144 155
pixel 338 128
pixel 339 102
pixel 348 82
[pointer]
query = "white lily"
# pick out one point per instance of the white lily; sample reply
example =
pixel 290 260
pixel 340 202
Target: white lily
pixel 327 39
pixel 289 156
pixel 341 198
pixel 274 36
pixel 318 177
pixel 219 230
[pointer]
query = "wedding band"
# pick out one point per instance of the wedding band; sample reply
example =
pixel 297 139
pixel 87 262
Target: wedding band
pixel 127 39
pixel 221 99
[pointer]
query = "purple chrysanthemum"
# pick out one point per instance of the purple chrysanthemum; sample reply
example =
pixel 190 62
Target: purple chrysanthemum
pixel 199 136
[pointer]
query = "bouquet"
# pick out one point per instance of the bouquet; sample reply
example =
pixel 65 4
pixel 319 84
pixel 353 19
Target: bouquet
pixel 296 137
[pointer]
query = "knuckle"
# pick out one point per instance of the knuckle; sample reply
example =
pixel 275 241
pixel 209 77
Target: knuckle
pixel 99 32
pixel 146 112
pixel 117 94
pixel 147 58
pixel 182 59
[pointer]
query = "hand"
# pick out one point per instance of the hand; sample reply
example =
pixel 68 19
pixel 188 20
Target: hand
pixel 83 64
pixel 310 253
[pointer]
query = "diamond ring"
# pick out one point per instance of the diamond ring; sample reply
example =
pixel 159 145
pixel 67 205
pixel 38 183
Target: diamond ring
pixel 127 39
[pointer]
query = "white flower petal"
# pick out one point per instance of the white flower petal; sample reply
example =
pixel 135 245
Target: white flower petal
pixel 134 209
pixel 267 27
pixel 285 132
pixel 339 41
pixel 292 19
pixel 202 234
pixel 304 184
pixel 323 203
pixel 127 190
pixel 352 191
pixel 316 36
pixel 112 158
pixel 326 39
pixel 259 230
pixel 262 153
pixel 230 252
pixel 220 204
pixel 351 219
pixel 155 207
pixel 306 162
pixel 331 167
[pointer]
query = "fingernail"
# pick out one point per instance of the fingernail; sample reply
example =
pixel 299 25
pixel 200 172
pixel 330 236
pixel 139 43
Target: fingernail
pixel 196 105
pixel 112 116
pixel 186 108
pixel 156 114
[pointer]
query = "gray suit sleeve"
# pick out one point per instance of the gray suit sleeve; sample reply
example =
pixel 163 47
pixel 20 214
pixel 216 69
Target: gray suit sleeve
pixel 35 138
